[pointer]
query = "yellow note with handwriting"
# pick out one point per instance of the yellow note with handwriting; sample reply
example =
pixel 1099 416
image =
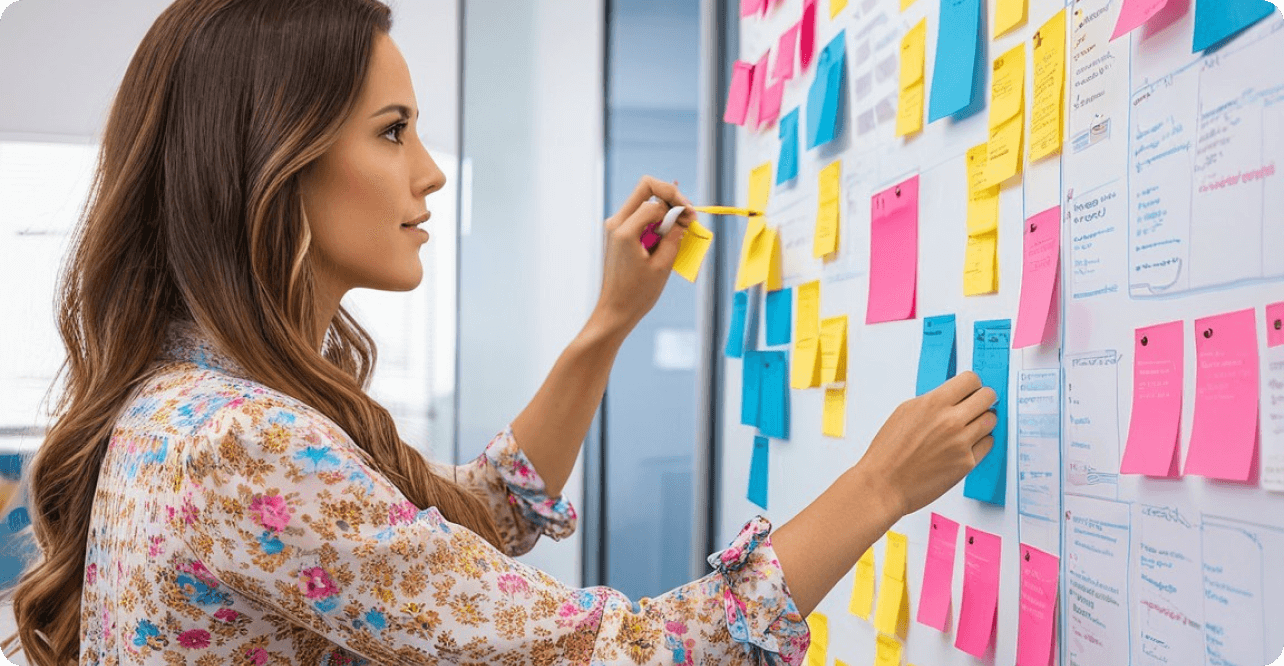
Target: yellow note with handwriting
pixel 1007 116
pixel 826 238
pixel 983 201
pixel 909 110
pixel 981 265
pixel 1048 115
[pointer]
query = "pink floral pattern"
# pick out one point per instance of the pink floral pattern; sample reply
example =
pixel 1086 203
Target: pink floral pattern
pixel 235 525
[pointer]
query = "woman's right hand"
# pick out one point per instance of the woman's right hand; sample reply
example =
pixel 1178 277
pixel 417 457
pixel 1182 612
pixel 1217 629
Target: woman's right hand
pixel 931 442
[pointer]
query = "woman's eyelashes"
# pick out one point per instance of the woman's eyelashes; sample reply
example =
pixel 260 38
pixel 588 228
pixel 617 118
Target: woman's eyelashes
pixel 398 128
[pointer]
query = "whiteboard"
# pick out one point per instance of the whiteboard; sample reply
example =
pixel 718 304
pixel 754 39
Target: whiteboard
pixel 1100 301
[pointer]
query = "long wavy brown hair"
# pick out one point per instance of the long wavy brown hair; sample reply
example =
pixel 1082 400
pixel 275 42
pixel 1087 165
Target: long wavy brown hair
pixel 195 213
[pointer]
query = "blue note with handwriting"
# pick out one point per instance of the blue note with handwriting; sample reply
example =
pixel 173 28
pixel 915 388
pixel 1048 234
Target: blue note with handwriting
pixel 773 411
pixel 991 348
pixel 780 316
pixel 938 359
pixel 957 49
pixel 787 165
pixel 758 472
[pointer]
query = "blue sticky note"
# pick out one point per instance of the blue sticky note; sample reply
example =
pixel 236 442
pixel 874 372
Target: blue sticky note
pixel 758 472
pixel 780 316
pixel 957 46
pixel 939 356
pixel 1219 20
pixel 824 98
pixel 773 413
pixel 736 331
pixel 787 165
pixel 991 347
pixel 751 389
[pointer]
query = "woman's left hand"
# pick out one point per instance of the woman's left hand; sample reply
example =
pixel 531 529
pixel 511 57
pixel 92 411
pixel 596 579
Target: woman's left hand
pixel 632 277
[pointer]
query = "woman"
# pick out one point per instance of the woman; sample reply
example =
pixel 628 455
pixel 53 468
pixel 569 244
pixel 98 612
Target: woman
pixel 219 489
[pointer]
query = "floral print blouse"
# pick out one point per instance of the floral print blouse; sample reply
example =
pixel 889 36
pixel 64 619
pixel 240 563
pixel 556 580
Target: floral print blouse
pixel 235 525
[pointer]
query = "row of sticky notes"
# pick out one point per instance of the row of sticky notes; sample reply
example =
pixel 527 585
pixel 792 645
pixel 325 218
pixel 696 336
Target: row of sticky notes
pixel 1224 438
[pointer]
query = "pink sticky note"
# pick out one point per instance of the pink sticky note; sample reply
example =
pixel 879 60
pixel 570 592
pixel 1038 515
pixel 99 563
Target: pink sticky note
pixel 1223 439
pixel 893 244
pixel 738 95
pixel 785 53
pixel 752 7
pixel 769 110
pixel 980 592
pixel 1174 10
pixel 938 575
pixel 1038 276
pixel 807 34
pixel 759 88
pixel 1156 401
pixel 1275 324
pixel 1038 607
pixel 1134 13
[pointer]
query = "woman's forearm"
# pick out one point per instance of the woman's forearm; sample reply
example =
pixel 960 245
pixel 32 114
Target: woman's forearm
pixel 552 427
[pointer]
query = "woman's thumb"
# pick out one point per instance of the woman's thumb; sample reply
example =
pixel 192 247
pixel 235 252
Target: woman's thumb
pixel 666 253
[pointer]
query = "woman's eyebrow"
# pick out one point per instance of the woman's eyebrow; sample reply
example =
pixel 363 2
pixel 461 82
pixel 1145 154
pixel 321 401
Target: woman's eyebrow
pixel 399 108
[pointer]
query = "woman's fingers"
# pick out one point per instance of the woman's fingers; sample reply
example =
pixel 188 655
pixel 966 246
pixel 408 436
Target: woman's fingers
pixel 982 448
pixel 955 389
pixel 646 188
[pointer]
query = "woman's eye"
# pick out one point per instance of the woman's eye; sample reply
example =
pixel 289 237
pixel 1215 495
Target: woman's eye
pixel 398 128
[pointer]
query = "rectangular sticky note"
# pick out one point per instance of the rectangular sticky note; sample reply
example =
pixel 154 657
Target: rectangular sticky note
pixel 758 472
pixel 1133 13
pixel 892 614
pixel 758 89
pixel 807 35
pixel 862 601
pixel 909 114
pixel 1039 572
pixel 1008 14
pixel 983 199
pixel 780 306
pixel 980 591
pixel 824 98
pixel 816 650
pixel 738 94
pixel 938 355
pixel 787 165
pixel 806 363
pixel 773 416
pixel 785 50
pixel 981 264
pixel 888 652
pixel 1007 117
pixel 751 254
pixel 769 105
pixel 759 186
pixel 836 6
pixel 1042 245
pixel 834 416
pixel 1223 438
pixel 958 48
pixel 751 390
pixel 762 263
pixel 736 330
pixel 807 325
pixel 987 482
pixel 909 110
pixel 1049 87
pixel 1157 375
pixel 825 240
pixel 833 350
pixel 893 271
pixel 692 251
pixel 1218 21
pixel 938 574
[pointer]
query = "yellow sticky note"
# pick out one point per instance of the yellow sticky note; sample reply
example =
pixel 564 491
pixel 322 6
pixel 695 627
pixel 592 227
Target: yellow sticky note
pixel 807 318
pixel 836 6
pixel 862 603
pixel 1007 116
pixel 695 245
pixel 913 54
pixel 760 186
pixel 826 238
pixel 763 264
pixel 833 350
pixel 905 4
pixel 1049 87
pixel 774 275
pixel 983 201
pixel 892 615
pixel 749 251
pixel 1008 14
pixel 981 265
pixel 805 372
pixel 835 414
pixel 819 625
pixel 888 652
pixel 909 110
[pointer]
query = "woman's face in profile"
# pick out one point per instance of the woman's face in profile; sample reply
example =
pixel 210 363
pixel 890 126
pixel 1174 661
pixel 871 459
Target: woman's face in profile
pixel 373 180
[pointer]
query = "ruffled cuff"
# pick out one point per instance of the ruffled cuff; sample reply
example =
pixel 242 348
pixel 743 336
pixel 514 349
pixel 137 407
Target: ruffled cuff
pixel 555 517
pixel 760 609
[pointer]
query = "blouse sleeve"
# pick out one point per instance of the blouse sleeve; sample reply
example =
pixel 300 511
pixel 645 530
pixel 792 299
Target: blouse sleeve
pixel 296 520
pixel 503 477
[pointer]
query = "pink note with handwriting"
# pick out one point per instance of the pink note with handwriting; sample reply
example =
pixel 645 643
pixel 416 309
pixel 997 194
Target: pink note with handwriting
pixel 759 88
pixel 893 244
pixel 1275 324
pixel 938 575
pixel 807 35
pixel 769 109
pixel 1223 438
pixel 1157 373
pixel 1134 13
pixel 1038 607
pixel 738 94
pixel 1038 277
pixel 980 592
pixel 785 53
